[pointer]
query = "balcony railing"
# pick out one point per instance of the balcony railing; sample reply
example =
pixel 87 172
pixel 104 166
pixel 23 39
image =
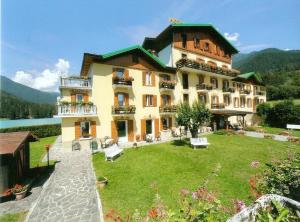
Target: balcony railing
pixel 122 81
pixel 167 84
pixel 76 110
pixel 203 86
pixel 206 67
pixel 245 91
pixel 75 82
pixel 228 90
pixel 125 110
pixel 259 93
pixel 218 106
pixel 168 109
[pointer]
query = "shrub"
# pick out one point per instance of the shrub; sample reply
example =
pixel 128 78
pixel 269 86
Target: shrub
pixel 282 177
pixel 224 132
pixel 40 131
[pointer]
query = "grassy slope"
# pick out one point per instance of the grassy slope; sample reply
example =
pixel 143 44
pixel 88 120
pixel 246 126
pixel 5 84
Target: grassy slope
pixel 175 167
pixel 17 217
pixel 37 150
pixel 296 101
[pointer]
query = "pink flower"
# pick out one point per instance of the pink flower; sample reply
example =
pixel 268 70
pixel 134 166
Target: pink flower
pixel 184 192
pixel 239 205
pixel 254 164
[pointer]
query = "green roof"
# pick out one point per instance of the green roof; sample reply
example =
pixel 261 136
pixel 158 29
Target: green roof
pixel 249 75
pixel 134 47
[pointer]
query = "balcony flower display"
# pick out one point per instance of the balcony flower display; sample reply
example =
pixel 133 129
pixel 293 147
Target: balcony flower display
pixel 168 84
pixel 123 109
pixel 168 108
pixel 123 80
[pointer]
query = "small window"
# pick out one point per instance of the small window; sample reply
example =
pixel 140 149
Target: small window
pixel 135 58
pixel 121 99
pixel 148 79
pixel 185 81
pixel 200 79
pixel 165 123
pixel 79 98
pixel 120 73
pixel 225 84
pixel 206 46
pixel 243 101
pixel 165 77
pixel 197 42
pixel 226 100
pixel 214 83
pixel 184 56
pixel 202 98
pixel 149 100
pixel 183 38
pixel 249 103
pixel 236 102
pixel 186 98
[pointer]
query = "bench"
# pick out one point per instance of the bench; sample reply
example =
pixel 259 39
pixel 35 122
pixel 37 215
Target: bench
pixel 112 152
pixel 199 142
pixel 292 126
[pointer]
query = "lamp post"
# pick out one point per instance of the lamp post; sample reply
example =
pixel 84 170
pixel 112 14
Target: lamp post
pixel 47 147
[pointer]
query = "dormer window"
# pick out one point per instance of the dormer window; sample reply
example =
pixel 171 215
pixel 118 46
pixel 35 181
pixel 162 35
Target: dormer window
pixel 183 38
pixel 206 46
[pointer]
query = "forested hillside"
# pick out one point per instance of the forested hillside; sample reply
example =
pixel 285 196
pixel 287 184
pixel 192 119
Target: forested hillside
pixel 279 69
pixel 26 93
pixel 12 107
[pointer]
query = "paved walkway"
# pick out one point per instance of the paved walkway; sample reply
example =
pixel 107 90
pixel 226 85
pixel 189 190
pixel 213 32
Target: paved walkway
pixel 70 194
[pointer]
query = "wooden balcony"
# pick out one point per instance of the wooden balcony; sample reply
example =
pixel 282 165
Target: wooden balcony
pixel 228 90
pixel 259 93
pixel 203 87
pixel 245 92
pixel 76 110
pixel 168 109
pixel 218 106
pixel 122 82
pixel 123 110
pixel 75 83
pixel 167 85
pixel 192 64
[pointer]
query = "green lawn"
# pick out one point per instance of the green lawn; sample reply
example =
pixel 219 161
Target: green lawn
pixel 17 217
pixel 37 151
pixel 175 167
pixel 274 130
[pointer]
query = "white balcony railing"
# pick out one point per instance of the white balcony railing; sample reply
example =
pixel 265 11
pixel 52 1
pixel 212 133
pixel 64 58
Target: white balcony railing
pixel 75 83
pixel 77 110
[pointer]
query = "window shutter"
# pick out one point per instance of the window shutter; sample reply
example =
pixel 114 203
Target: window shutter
pixel 114 72
pixel 77 130
pixel 143 129
pixel 155 101
pixel 130 131
pixel 126 73
pixel 170 122
pixel 73 98
pixel 126 97
pixel 153 78
pixel 144 100
pixel 161 124
pixel 93 129
pixel 217 83
pixel 85 98
pixel 156 127
pixel 116 102
pixel 114 132
pixel 144 78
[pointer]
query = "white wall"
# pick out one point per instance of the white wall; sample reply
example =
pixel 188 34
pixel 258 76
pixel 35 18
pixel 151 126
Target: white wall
pixel 165 55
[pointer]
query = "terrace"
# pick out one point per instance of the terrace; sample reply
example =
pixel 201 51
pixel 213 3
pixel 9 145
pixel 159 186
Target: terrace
pixel 122 82
pixel 71 110
pixel 75 83
pixel 168 109
pixel 123 110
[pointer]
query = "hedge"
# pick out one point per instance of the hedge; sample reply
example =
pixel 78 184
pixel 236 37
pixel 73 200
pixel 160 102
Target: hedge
pixel 40 131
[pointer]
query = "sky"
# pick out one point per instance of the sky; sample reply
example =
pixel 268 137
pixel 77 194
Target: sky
pixel 42 39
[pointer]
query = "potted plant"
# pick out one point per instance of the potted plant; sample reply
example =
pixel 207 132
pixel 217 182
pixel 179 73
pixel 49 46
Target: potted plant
pixel 102 181
pixel 138 137
pixel 20 191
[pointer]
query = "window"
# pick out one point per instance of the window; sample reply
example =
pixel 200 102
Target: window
pixel 79 98
pixel 249 103
pixel 85 129
pixel 183 38
pixel 236 102
pixel 148 79
pixel 120 73
pixel 214 100
pixel 165 100
pixel 121 99
pixel 149 126
pixel 225 84
pixel 149 100
pixel 165 77
pixel 185 81
pixel 226 100
pixel 197 42
pixel 243 101
pixel 186 98
pixel 184 56
pixel 214 83
pixel 165 123
pixel 200 79
pixel 135 58
pixel 202 98
pixel 206 46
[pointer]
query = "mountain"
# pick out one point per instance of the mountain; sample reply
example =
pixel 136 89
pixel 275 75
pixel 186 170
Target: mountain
pixel 268 60
pixel 26 93
pixel 12 107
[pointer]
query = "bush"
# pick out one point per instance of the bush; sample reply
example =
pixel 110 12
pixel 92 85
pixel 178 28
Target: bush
pixel 282 177
pixel 40 131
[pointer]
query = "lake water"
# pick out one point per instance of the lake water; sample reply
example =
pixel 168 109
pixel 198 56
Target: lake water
pixel 28 122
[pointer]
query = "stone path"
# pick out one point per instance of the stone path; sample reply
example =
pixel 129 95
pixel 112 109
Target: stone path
pixel 70 193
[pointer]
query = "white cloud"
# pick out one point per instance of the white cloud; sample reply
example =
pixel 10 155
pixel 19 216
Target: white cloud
pixel 232 37
pixel 254 47
pixel 47 80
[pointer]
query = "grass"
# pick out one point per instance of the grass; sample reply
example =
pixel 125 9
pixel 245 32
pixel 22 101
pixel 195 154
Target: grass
pixel 17 217
pixel 272 102
pixel 38 151
pixel 175 167
pixel 274 130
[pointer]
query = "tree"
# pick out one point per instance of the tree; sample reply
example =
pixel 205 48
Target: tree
pixel 192 117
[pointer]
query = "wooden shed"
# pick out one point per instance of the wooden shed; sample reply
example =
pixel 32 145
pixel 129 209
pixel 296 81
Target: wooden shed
pixel 14 158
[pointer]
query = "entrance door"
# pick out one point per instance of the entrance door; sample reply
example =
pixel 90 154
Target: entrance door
pixel 122 131
pixel 149 126
pixel 85 129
